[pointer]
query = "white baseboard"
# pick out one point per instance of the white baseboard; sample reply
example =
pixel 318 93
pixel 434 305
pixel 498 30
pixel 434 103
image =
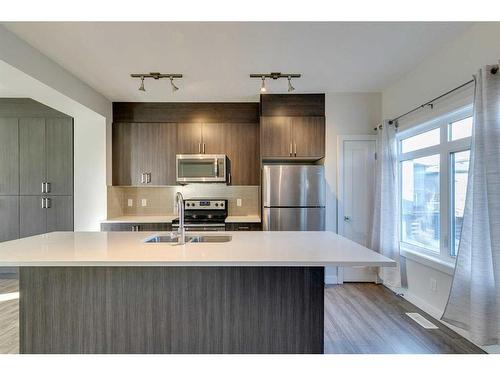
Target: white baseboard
pixel 437 314
pixel 331 279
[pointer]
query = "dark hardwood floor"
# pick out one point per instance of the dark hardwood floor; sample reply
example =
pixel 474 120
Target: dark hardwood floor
pixel 359 318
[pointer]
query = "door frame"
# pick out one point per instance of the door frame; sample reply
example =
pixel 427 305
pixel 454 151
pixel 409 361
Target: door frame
pixel 340 181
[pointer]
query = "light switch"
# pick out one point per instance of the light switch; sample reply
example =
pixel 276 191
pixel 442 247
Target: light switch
pixel 144 202
pixel 130 202
pixel 238 202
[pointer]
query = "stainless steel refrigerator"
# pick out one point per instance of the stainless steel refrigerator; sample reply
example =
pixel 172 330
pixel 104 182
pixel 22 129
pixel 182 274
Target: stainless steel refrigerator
pixel 293 197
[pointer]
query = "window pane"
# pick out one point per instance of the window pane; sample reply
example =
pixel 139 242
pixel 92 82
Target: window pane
pixel 420 202
pixel 460 165
pixel 461 129
pixel 423 140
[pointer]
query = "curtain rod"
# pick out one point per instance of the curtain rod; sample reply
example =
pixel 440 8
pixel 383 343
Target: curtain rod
pixel 493 70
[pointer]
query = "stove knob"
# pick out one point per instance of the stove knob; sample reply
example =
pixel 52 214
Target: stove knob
pixel 217 205
pixel 222 204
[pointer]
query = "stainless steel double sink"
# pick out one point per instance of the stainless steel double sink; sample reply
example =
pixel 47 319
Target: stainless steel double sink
pixel 190 238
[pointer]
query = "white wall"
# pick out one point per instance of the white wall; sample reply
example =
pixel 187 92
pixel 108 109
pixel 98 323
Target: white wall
pixel 446 69
pixel 346 114
pixel 25 72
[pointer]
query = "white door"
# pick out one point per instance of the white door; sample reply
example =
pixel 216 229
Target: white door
pixel 357 184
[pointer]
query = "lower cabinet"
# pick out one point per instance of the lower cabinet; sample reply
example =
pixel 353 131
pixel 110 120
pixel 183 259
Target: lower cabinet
pixel 243 226
pixel 136 227
pixel 40 214
pixel 9 218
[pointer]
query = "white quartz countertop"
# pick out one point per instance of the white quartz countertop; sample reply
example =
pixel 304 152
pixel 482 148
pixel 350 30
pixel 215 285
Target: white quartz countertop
pixel 169 218
pixel 245 249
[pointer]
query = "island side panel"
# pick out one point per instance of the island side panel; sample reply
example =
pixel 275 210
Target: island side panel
pixel 171 309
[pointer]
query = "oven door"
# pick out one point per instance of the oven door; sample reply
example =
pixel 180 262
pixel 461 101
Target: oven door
pixel 201 168
pixel 202 227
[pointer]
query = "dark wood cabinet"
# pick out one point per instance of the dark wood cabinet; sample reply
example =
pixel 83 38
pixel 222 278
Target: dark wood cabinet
pixel 276 138
pixel 289 137
pixel 189 138
pixel 136 227
pixel 243 226
pixel 240 142
pixel 308 136
pixel 9 156
pixel 144 153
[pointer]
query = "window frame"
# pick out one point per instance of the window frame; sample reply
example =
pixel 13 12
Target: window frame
pixel 444 149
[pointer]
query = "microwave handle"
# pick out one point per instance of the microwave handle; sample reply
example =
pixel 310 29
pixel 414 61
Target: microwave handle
pixel 216 167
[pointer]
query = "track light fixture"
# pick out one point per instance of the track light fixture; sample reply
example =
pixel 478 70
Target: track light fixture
pixel 174 87
pixel 290 87
pixel 157 75
pixel 263 85
pixel 275 75
pixel 141 87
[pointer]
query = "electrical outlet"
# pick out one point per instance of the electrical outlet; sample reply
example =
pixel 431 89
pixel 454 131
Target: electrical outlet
pixel 238 202
pixel 130 202
pixel 144 202
pixel 433 284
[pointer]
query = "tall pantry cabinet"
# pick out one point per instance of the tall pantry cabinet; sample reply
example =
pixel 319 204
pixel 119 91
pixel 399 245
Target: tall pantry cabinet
pixel 36 170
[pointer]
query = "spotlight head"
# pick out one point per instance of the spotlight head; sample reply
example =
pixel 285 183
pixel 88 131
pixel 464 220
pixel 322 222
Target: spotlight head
pixel 290 87
pixel 141 87
pixel 263 85
pixel 174 87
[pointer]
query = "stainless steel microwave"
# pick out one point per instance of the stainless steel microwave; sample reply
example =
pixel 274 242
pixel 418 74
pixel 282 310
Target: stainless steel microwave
pixel 201 168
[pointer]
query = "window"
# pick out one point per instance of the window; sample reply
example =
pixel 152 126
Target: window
pixel 433 166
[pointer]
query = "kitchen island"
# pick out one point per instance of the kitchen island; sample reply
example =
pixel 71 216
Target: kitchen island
pixel 111 292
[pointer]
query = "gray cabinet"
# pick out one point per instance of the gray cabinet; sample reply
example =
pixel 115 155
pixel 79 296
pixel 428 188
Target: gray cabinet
pixel 9 218
pixel 243 226
pixel 9 156
pixel 46 156
pixel 43 214
pixel 31 155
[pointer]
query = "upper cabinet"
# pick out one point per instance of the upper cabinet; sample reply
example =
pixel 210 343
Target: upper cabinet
pixel 144 153
pixel 147 137
pixel 292 127
pixel 9 156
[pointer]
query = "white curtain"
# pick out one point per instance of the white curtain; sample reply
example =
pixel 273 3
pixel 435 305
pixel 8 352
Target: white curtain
pixel 474 301
pixel 385 227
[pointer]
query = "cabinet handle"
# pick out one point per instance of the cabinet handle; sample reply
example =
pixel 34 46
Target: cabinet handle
pixel 43 202
pixel 203 147
pixel 291 150
pixel 199 147
pixel 142 178
pixel 148 177
pixel 243 228
pixel 229 178
pixel 295 146
pixel 47 187
pixel 43 188
pixel 47 203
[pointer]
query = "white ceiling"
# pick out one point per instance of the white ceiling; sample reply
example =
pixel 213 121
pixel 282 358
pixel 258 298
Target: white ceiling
pixel 216 58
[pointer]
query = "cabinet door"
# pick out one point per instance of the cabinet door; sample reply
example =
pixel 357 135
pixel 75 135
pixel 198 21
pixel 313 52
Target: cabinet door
pixel 59 213
pixel 275 137
pixel 32 217
pixel 9 156
pixel 154 152
pixel 59 155
pixel 189 138
pixel 241 144
pixel 32 170
pixel 308 134
pixel 9 218
pixel 122 154
pixel 213 137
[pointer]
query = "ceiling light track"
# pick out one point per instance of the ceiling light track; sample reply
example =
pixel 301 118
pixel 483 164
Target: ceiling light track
pixel 157 76
pixel 275 75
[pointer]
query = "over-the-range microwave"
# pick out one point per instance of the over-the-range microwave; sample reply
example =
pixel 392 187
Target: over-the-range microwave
pixel 201 168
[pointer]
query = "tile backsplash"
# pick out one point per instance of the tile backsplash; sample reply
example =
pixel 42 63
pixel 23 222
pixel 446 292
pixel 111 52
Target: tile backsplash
pixel 161 200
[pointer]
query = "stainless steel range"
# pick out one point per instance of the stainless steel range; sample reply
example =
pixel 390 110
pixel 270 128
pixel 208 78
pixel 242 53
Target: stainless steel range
pixel 203 215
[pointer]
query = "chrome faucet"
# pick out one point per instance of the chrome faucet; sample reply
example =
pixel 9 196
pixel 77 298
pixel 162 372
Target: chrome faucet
pixel 179 200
